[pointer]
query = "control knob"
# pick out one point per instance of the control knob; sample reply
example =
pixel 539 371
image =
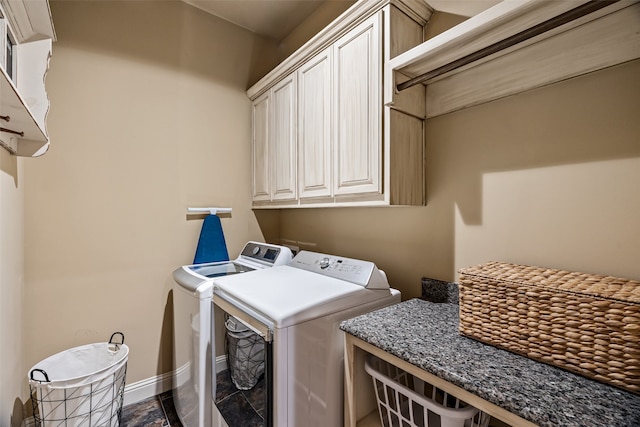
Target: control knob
pixel 325 262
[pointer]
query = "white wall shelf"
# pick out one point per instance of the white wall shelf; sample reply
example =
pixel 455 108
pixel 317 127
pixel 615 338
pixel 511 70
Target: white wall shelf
pixel 23 98
pixel 605 37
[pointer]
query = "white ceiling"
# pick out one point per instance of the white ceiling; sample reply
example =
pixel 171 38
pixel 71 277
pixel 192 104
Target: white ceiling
pixel 277 18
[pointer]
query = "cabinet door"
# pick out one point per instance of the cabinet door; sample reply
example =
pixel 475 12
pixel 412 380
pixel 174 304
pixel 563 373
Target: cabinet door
pixel 260 146
pixel 357 120
pixel 283 140
pixel 314 126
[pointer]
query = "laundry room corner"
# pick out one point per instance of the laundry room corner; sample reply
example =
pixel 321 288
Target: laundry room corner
pixel 137 130
pixel 269 223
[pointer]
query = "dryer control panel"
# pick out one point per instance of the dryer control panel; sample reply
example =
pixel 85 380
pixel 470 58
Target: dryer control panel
pixel 265 253
pixel 363 273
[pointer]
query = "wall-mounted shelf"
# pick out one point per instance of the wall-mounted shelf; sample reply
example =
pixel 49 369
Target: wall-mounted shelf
pixel 33 139
pixel 30 20
pixel 475 61
pixel 23 98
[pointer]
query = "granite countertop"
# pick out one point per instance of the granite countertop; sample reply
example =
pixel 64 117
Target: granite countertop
pixel 426 335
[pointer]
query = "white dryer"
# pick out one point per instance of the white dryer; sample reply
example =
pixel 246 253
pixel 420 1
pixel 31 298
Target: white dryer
pixel 296 309
pixel 193 326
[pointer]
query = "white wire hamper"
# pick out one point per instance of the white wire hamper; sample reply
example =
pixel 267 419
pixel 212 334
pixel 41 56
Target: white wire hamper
pixel 245 354
pixel 82 386
pixel 407 401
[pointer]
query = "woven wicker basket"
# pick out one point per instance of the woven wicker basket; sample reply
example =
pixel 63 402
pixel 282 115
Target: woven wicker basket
pixel 588 324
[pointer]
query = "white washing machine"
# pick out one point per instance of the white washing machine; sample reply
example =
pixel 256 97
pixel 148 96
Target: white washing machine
pixel 296 309
pixel 193 326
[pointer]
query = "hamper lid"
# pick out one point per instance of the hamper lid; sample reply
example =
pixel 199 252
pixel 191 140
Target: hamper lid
pixel 594 285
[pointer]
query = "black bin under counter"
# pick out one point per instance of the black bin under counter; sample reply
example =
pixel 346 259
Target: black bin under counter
pixel 422 338
pixel 435 290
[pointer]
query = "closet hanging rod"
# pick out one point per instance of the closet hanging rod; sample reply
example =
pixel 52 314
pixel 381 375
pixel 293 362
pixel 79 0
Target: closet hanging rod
pixel 536 30
pixel 212 211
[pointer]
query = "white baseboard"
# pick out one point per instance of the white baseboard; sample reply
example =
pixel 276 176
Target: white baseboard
pixel 144 389
pixel 221 363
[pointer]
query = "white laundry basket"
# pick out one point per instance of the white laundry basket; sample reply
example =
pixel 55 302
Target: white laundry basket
pixel 82 386
pixel 245 354
pixel 404 400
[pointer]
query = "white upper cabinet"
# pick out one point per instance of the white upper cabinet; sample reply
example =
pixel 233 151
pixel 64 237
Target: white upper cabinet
pixel 283 142
pixel 260 154
pixel 339 133
pixel 274 142
pixel 357 142
pixel 26 35
pixel 314 126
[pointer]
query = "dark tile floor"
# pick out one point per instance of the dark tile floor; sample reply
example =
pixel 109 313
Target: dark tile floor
pixel 243 408
pixel 157 411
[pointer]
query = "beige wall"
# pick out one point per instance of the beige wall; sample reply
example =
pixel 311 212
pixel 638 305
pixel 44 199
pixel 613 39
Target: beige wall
pixel 148 116
pixel 549 177
pixel 12 366
pixel 316 22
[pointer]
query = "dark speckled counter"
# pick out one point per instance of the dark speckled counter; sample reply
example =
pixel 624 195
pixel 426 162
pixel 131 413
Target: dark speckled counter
pixel 426 335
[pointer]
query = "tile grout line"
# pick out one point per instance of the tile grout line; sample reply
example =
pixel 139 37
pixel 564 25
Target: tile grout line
pixel 163 416
pixel 164 411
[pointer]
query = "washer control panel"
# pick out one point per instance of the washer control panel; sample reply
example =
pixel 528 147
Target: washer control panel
pixel 363 273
